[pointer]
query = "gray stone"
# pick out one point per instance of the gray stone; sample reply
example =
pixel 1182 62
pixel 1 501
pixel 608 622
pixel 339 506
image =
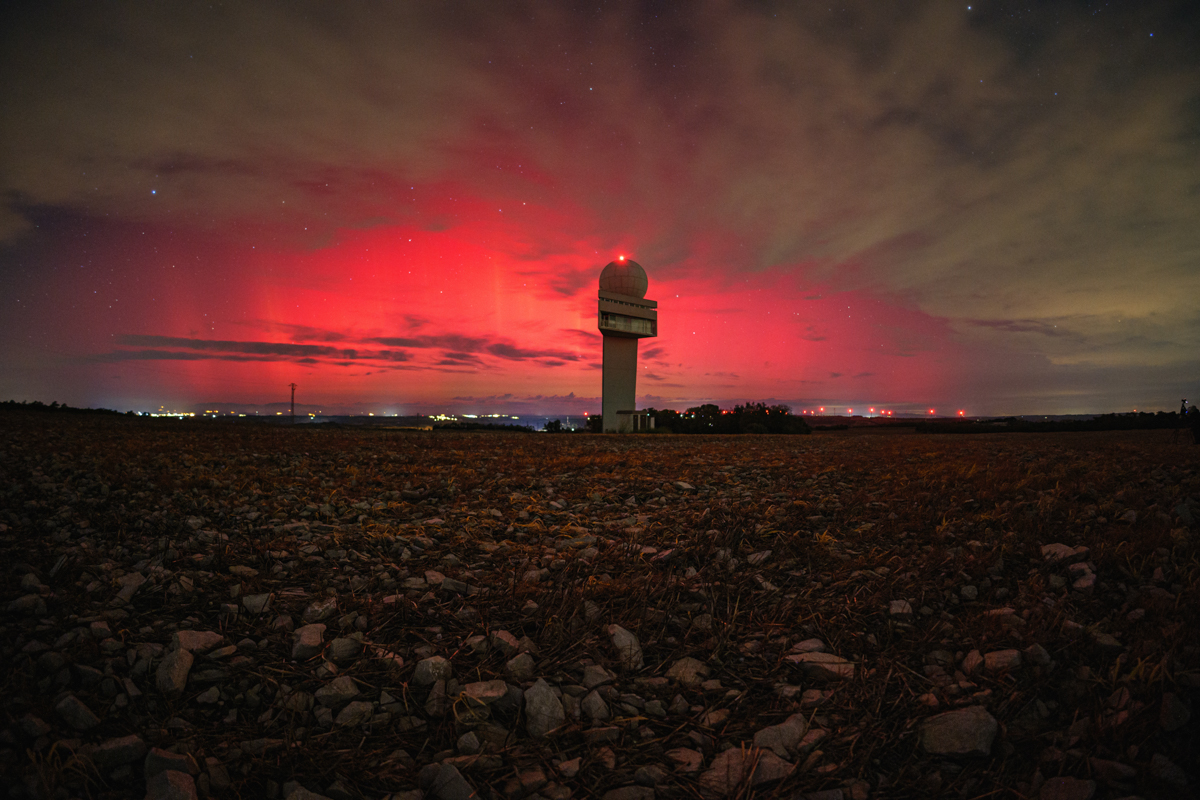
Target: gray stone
pixel 129 585
pixel 1037 655
pixel 1067 788
pixel 337 692
pixel 1059 553
pixel 629 650
pixel 171 676
pixel 159 760
pixel 430 670
pixel 505 642
pixel 298 792
pixel 595 675
pixel 733 768
pixel 650 775
pixel 900 609
pixel 209 696
pixel 629 793
pixel 307 641
pixel 972 662
pixel 469 744
pixel 784 738
pixel 688 671
pixel 965 731
pixel 171 785
pixel 1001 660
pixel 451 785
pixel 115 752
pixel 823 666
pixel 1173 714
pixel 594 707
pixel 76 714
pixel 686 760
pixel 320 610
pixel 485 692
pixel 809 646
pixel 1167 771
pixel 257 603
pixel 343 650
pixel 543 710
pixel 30 604
pixel 520 668
pixel 195 641
pixel 355 713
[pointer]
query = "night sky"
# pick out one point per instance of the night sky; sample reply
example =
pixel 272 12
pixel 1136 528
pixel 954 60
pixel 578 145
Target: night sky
pixel 405 207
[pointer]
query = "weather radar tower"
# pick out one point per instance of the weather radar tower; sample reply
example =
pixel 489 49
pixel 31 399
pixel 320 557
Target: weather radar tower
pixel 624 316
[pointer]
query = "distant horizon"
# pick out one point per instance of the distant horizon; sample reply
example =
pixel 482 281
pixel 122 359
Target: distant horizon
pixel 428 410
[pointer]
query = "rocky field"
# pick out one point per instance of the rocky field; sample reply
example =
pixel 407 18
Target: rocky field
pixel 248 611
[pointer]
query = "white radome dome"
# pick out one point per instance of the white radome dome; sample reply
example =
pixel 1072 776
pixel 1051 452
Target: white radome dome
pixel 626 277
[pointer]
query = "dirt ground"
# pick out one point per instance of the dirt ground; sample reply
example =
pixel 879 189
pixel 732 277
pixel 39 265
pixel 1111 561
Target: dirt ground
pixel 249 611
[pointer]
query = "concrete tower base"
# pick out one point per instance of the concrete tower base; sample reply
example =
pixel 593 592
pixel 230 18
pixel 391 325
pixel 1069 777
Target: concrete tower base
pixel 620 382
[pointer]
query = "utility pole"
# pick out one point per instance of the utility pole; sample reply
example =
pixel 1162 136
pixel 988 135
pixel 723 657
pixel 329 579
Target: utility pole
pixel 293 402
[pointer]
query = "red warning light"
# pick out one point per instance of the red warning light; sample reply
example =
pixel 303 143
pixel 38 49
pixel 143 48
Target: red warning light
pixel 962 413
pixel 931 411
pixel 620 258
pixel 822 409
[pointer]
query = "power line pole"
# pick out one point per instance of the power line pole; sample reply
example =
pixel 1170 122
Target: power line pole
pixel 293 402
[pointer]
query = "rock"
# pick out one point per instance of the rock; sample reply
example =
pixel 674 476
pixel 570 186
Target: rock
pixel 485 692
pixel 1066 788
pixel 257 603
pixel 1173 714
pixel 809 646
pixel 525 782
pixel 449 784
pixel 594 707
pixel 543 710
pixel 172 674
pixel 76 714
pixel 432 669
pixel 129 585
pixel 159 760
pixel 31 604
pixel 338 692
pixel 209 696
pixel 688 671
pixel 520 668
pixel 965 731
pixel 687 761
pixel 505 642
pixel 1165 770
pixel 308 641
pixel 732 768
pixel 355 713
pixel 1001 660
pixel 569 769
pixel 344 650
pixel 784 738
pixel 972 662
pixel 823 666
pixel 171 785
pixel 195 641
pixel 297 792
pixel 595 675
pixel 115 752
pixel 1037 655
pixel 629 793
pixel 629 651
pixel 320 610
pixel 649 776
pixel 900 609
pixel 1061 554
